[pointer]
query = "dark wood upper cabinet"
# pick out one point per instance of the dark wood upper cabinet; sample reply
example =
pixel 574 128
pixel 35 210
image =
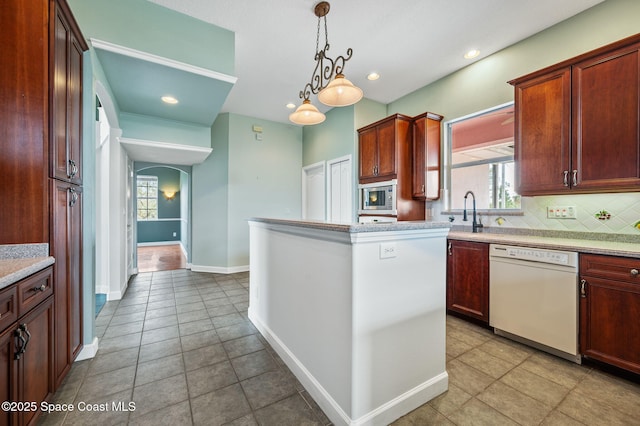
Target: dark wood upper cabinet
pixel 66 96
pixel 605 133
pixel 385 153
pixel 382 147
pixel 426 156
pixel 542 133
pixel 577 124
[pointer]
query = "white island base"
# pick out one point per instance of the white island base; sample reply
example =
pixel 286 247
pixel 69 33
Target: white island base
pixel 357 312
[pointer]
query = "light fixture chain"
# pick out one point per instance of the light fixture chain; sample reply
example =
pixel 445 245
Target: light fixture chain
pixel 318 37
pixel 326 33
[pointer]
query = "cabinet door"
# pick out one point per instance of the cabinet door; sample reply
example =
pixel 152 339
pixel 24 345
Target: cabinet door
pixel 609 326
pixel 542 138
pixel 609 310
pixel 65 247
pixel 419 166
pixel 387 140
pixel 66 100
pixel 368 149
pixel 606 138
pixel 8 382
pixel 468 279
pixel 35 367
pixel 59 147
pixel 426 157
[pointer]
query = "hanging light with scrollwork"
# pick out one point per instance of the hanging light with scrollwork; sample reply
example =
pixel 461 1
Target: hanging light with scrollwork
pixel 327 81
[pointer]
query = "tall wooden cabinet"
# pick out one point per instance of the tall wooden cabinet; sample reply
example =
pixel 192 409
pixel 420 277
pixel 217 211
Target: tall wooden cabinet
pixel 41 175
pixel 468 279
pixel 385 154
pixel 577 124
pixel 67 45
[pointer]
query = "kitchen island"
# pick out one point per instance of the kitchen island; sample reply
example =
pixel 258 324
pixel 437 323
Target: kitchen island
pixel 356 311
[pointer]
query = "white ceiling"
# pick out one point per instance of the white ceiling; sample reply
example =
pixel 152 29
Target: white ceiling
pixel 409 43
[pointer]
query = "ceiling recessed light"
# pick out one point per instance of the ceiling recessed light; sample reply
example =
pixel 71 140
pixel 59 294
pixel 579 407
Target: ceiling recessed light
pixel 373 76
pixel 169 100
pixel 472 54
pixel 291 105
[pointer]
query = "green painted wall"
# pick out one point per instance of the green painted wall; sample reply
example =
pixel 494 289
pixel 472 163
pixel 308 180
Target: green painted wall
pixel 143 127
pixel 209 204
pixel 148 27
pixel 484 83
pixel 243 178
pixel 331 139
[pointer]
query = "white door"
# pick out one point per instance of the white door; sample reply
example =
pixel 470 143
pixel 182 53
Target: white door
pixel 313 198
pixel 340 195
pixel 102 202
pixel 130 243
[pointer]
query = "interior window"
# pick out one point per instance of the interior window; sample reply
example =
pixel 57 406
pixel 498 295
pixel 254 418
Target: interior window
pixel 481 159
pixel 147 197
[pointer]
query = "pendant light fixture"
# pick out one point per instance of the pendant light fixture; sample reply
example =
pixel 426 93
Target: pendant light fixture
pixel 327 80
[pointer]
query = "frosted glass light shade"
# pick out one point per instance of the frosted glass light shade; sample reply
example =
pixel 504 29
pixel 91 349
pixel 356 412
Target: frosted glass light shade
pixel 340 92
pixel 307 114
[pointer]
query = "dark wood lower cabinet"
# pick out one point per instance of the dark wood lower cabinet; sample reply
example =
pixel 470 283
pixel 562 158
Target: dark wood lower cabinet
pixel 468 279
pixel 610 310
pixel 66 243
pixel 26 356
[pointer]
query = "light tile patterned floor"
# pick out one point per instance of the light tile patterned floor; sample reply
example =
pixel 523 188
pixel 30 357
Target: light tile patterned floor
pixel 179 345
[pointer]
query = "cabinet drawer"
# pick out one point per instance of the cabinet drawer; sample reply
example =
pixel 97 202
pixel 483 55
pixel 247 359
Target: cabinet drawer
pixel 34 289
pixel 8 307
pixel 611 267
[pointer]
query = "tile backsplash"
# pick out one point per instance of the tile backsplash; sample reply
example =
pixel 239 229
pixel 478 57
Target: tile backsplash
pixel 623 213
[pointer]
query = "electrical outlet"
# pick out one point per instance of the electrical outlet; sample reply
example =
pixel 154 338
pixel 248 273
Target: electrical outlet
pixel 175 234
pixel 387 250
pixel 562 212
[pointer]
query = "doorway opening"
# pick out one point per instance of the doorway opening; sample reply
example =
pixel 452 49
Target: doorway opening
pixel 162 217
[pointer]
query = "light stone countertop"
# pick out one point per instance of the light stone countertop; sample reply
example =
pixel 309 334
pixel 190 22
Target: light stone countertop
pixel 356 227
pixel 18 261
pixel 592 246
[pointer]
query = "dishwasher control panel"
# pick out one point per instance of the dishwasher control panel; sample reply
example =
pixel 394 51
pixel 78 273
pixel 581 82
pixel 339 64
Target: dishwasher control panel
pixel 555 257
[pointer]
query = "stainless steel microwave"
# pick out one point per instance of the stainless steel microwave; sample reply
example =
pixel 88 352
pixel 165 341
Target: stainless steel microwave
pixel 378 198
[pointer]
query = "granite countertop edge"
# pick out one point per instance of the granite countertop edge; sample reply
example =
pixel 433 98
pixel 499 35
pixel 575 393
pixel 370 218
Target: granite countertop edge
pixel 355 227
pixel 13 270
pixel 559 241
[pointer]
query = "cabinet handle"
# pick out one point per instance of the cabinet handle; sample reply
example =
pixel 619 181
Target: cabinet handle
pixel 74 169
pixel 583 290
pixel 23 342
pixel 41 288
pixel 449 249
pixel 422 189
pixel 574 178
pixel 74 197
pixel 566 178
pixel 634 272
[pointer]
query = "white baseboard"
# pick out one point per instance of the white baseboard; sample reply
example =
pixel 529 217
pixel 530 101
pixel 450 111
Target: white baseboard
pixel 160 243
pixel 88 351
pixel 219 269
pixel 383 415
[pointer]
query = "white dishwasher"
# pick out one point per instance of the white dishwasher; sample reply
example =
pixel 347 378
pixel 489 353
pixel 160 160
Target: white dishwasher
pixel 533 297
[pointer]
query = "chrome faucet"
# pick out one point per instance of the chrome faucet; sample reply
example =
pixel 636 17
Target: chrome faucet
pixel 475 225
